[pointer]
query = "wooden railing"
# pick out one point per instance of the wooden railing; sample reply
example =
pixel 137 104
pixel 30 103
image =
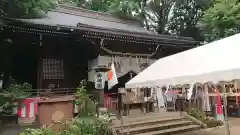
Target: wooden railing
pixel 133 97
pixel 110 102
pixel 53 92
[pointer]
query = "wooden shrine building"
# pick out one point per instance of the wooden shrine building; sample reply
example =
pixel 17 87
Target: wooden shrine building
pixel 62 48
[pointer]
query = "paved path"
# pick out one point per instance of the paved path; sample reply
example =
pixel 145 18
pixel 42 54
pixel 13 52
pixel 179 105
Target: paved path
pixel 10 131
pixel 216 131
pixel 234 129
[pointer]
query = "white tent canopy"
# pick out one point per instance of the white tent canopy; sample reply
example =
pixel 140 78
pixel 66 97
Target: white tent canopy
pixel 213 62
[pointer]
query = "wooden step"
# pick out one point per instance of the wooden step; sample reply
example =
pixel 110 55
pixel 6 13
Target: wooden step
pixel 145 122
pixel 171 131
pixel 155 127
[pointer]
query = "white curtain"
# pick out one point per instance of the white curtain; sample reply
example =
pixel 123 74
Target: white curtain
pixel 160 98
pixel 190 92
pixel 206 104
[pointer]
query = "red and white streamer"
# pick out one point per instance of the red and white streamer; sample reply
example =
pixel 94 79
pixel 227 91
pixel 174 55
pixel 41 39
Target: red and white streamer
pixel 28 108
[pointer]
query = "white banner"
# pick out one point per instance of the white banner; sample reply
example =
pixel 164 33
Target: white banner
pixel 112 77
pixel 190 92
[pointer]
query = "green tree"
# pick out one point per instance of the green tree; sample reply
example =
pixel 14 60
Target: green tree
pixel 221 20
pixel 153 14
pixel 125 8
pixel 158 14
pixel 95 5
pixel 2 23
pixel 186 15
pixel 2 14
pixel 28 8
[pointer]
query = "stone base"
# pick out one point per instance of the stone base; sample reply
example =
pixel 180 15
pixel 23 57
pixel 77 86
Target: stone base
pixel 26 121
pixel 102 109
pixel 55 110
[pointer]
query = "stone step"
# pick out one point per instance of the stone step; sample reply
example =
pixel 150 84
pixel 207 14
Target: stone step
pixel 144 118
pixel 171 131
pixel 145 122
pixel 154 127
pixel 161 114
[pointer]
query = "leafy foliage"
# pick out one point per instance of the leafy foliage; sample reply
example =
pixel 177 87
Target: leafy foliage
pixel 197 113
pixel 186 15
pixel 221 20
pixel 95 5
pixel 93 126
pixel 96 126
pixel 128 9
pixel 177 17
pixel 41 131
pixel 200 115
pixel 82 91
pixel 158 13
pixel 88 106
pixel 2 14
pixel 28 8
pixel 10 97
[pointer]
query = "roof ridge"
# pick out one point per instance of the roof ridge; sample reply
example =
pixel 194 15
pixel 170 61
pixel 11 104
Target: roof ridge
pixel 98 15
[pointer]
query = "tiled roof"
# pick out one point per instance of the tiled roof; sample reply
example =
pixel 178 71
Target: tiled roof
pixel 71 17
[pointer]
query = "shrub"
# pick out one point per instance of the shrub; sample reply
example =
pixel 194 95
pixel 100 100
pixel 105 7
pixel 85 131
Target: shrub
pixel 197 113
pixel 42 131
pixel 10 97
pixel 213 123
pixel 79 126
pixel 200 115
pixel 89 126
pixel 88 106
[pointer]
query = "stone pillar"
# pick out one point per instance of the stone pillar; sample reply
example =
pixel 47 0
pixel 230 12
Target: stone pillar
pixel 99 94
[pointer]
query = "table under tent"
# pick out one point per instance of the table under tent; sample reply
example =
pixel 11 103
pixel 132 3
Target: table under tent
pixel 211 66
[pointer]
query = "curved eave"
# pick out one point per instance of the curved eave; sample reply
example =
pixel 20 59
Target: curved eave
pixel 98 32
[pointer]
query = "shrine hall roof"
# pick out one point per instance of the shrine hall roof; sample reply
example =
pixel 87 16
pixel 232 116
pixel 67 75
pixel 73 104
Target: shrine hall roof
pixel 72 17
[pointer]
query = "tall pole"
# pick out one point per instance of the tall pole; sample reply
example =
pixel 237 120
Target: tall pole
pixel 225 111
pixel 225 105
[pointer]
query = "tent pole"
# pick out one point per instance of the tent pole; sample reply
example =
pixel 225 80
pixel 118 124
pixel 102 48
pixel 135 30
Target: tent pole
pixel 225 111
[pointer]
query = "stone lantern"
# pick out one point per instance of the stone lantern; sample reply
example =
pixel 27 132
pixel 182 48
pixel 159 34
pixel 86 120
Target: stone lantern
pixel 100 79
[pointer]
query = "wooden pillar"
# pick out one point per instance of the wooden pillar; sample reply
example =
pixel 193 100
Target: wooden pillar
pixel 121 91
pixel 145 100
